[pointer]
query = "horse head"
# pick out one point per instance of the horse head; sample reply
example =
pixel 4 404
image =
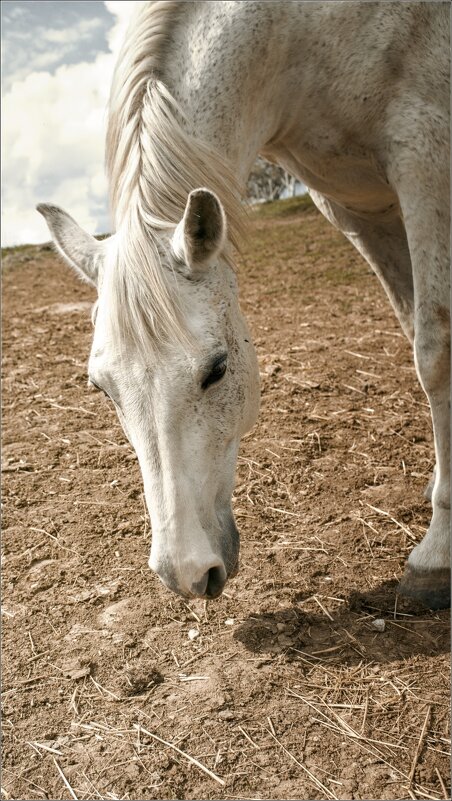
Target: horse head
pixel 184 401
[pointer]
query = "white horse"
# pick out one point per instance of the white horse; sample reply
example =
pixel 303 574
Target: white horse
pixel 353 99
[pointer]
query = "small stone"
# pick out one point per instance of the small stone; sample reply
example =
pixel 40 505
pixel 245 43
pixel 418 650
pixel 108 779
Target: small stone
pixel 229 621
pixel 123 528
pixel 193 634
pixel 281 627
pixel 226 714
pixel 272 369
pixel 113 613
pixel 379 624
pixel 74 669
pixel 80 597
pixel 284 640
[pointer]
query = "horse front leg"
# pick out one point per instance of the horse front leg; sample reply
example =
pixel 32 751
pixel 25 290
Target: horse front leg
pixel 427 574
pixel 420 300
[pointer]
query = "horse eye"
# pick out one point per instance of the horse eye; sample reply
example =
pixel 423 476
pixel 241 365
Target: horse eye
pixel 216 373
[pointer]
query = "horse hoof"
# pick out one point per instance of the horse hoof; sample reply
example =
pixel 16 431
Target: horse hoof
pixel 429 587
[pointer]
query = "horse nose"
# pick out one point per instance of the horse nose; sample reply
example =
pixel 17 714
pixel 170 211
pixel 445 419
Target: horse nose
pixel 211 584
pixel 186 581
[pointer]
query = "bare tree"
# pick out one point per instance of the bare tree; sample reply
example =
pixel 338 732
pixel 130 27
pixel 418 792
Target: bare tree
pixel 265 181
pixel 268 181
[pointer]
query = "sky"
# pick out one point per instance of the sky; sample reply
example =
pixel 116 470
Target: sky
pixel 57 64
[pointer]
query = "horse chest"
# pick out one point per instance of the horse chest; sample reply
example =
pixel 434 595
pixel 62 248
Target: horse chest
pixel 353 179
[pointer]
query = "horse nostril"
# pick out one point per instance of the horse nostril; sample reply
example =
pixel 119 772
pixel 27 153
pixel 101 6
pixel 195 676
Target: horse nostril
pixel 211 584
pixel 216 580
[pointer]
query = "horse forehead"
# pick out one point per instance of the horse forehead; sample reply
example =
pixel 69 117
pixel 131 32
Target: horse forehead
pixel 210 314
pixel 207 320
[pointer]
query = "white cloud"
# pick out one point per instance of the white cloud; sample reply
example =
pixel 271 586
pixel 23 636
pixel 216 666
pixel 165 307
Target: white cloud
pixel 29 46
pixel 40 61
pixel 70 35
pixel 53 137
pixel 53 141
pixel 16 12
pixel 122 10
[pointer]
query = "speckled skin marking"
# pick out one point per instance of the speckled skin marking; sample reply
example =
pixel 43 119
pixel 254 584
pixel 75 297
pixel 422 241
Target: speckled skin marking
pixel 353 98
pixel 341 100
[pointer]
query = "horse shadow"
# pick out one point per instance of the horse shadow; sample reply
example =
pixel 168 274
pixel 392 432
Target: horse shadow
pixel 348 635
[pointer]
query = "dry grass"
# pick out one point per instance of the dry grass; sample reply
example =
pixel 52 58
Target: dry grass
pixel 287 690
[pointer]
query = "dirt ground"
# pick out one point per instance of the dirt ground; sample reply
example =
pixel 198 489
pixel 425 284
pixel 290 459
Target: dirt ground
pixel 287 687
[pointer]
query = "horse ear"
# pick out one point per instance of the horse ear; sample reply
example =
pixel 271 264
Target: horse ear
pixel 201 234
pixel 81 250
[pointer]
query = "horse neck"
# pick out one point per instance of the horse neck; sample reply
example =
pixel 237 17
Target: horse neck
pixel 225 77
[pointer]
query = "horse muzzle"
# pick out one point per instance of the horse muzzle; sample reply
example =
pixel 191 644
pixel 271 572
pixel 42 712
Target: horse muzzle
pixel 205 582
pixel 204 570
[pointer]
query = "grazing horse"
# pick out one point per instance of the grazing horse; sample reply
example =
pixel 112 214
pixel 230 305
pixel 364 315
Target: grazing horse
pixel 353 99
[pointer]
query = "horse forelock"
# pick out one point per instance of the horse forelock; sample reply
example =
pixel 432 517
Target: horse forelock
pixel 153 163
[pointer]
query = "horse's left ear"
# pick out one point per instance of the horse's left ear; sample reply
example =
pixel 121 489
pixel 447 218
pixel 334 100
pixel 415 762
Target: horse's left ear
pixel 81 250
pixel 201 234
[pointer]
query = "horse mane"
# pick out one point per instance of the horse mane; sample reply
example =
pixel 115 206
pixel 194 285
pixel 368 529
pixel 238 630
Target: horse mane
pixel 153 162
